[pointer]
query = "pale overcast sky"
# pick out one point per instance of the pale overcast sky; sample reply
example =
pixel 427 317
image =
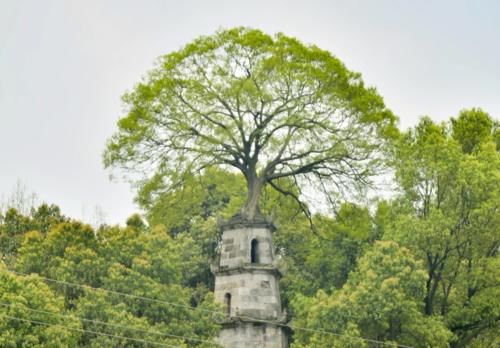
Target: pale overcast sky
pixel 64 65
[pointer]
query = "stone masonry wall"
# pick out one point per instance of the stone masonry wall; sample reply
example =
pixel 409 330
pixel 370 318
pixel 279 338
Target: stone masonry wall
pixel 253 294
pixel 247 279
pixel 253 335
pixel 236 245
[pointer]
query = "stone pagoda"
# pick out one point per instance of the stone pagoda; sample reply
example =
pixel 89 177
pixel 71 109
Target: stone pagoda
pixel 246 283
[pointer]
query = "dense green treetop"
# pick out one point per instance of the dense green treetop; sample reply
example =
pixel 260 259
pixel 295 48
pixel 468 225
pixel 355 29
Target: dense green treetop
pixel 473 127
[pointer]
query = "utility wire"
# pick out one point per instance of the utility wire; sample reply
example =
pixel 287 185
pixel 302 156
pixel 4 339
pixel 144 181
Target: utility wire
pixel 119 293
pixel 223 314
pixel 89 331
pixel 12 305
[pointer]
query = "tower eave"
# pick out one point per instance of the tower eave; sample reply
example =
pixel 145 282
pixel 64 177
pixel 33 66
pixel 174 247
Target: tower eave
pixel 250 268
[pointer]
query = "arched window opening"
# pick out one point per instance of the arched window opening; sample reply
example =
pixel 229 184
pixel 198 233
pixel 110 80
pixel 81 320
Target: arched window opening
pixel 254 255
pixel 227 303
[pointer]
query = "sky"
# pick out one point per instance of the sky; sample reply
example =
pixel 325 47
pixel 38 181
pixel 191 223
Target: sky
pixel 65 64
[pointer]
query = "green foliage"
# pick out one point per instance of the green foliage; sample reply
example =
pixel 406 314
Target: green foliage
pixel 268 107
pixel 11 232
pixel 381 300
pixel 134 260
pixel 472 128
pixel 25 299
pixel 322 260
pixel 13 225
pixel 216 193
pixel 448 216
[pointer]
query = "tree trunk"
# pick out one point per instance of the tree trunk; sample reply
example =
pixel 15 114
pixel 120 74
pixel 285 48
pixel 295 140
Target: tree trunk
pixel 254 187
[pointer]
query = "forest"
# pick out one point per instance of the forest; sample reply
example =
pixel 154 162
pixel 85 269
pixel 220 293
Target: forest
pixel 417 267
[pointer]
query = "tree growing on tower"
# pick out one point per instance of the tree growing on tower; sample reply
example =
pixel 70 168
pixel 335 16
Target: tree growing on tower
pixel 269 107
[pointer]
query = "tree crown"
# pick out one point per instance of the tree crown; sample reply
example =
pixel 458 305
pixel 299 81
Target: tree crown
pixel 270 107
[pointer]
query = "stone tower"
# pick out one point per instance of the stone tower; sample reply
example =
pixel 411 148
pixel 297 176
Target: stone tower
pixel 246 283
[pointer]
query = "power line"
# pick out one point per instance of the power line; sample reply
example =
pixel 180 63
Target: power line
pixel 89 331
pixel 107 324
pixel 136 297
pixel 212 311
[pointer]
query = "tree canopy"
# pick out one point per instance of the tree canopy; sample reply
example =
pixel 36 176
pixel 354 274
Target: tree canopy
pixel 269 107
pixel 133 260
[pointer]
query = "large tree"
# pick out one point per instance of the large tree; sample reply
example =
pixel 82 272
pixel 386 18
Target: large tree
pixel 270 107
pixel 448 215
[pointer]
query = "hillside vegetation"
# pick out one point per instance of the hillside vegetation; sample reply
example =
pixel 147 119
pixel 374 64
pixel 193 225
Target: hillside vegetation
pixel 419 269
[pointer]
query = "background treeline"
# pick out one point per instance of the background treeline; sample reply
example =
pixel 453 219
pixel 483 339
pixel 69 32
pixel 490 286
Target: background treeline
pixel 420 268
